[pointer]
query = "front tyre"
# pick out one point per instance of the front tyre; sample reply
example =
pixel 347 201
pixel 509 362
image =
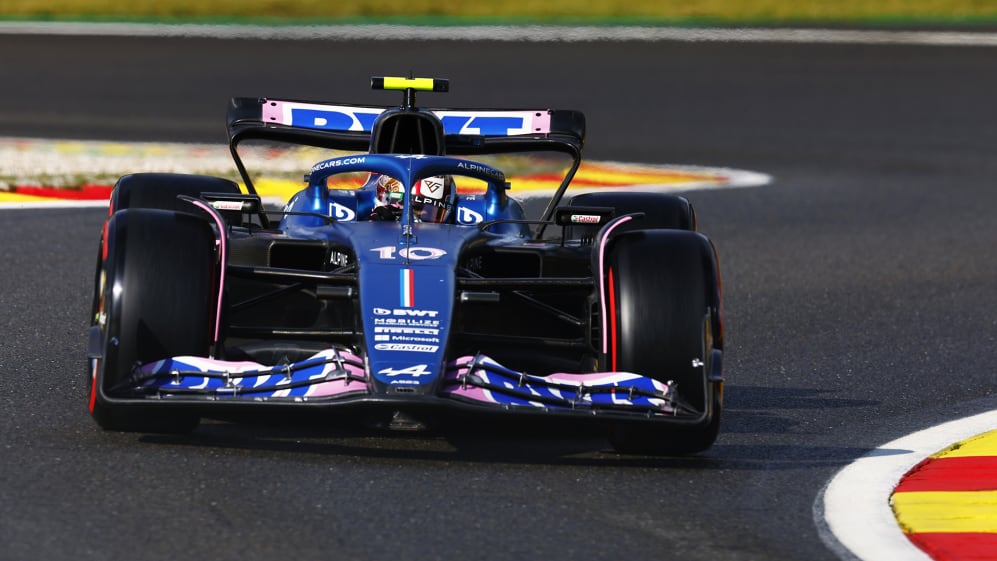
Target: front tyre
pixel 152 300
pixel 664 306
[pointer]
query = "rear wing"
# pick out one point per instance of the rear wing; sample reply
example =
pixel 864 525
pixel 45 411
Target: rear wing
pixel 348 127
pixel 360 128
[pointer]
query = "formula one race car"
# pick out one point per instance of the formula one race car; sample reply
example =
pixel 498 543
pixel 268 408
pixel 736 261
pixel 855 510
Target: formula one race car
pixel 404 285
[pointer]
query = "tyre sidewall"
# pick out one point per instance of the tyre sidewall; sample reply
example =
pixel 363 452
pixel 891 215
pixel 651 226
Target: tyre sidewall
pixel 665 287
pixel 157 292
pixel 160 190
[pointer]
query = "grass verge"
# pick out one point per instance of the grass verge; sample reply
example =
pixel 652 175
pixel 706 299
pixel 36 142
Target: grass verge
pixel 444 12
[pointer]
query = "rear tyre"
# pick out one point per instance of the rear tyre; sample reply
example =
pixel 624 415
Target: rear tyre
pixel 660 211
pixel 153 300
pixel 665 287
pixel 160 190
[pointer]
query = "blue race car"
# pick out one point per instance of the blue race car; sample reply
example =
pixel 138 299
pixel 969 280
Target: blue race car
pixel 402 285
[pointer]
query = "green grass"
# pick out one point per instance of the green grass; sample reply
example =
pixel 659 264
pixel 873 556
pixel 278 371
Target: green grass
pixel 688 12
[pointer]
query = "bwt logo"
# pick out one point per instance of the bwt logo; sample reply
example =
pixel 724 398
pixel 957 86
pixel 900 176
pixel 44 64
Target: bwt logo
pixel 332 119
pixel 486 125
pixel 345 119
pixel 468 216
pixel 341 213
pixel 405 312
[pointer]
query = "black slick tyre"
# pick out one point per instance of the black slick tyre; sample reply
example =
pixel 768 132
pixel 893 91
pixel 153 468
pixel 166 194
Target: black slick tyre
pixel 153 300
pixel 660 211
pixel 663 289
pixel 160 190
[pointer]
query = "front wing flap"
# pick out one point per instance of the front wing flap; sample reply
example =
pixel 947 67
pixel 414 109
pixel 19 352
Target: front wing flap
pixel 329 373
pixel 339 376
pixel 480 379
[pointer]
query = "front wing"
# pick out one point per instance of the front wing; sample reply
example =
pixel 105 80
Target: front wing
pixel 338 377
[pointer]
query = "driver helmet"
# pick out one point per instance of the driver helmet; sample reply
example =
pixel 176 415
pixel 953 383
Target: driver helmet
pixel 431 197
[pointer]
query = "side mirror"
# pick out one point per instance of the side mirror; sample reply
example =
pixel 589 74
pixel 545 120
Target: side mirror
pixel 233 206
pixel 583 215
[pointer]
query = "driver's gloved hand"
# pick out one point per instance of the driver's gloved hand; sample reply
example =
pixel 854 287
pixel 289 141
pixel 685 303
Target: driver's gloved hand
pixel 388 213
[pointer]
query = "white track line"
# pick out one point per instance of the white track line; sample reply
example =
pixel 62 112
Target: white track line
pixel 853 514
pixel 45 205
pixel 519 33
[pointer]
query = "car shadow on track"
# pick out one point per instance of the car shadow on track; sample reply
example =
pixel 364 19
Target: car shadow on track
pixel 770 410
pixel 486 447
pixel 519 443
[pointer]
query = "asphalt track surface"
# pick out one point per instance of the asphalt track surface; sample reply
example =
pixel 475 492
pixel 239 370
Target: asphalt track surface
pixel 859 295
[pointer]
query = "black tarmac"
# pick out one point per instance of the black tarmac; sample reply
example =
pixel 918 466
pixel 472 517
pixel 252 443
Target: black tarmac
pixel 860 290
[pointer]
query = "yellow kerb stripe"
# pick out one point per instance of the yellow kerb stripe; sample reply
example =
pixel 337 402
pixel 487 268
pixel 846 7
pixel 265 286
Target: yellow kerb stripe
pixel 394 83
pixel 946 511
pixel 6 197
pixel 981 445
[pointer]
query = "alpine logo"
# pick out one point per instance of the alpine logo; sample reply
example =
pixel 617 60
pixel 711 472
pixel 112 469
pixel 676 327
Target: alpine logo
pixel 417 370
pixel 430 187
